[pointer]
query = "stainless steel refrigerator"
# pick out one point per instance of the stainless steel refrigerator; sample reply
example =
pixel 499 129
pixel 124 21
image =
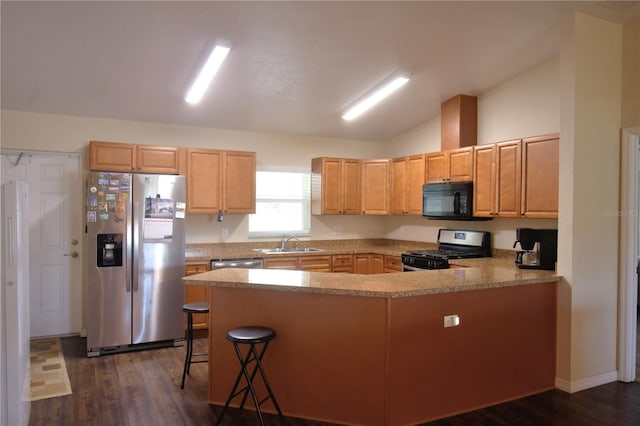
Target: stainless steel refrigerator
pixel 135 241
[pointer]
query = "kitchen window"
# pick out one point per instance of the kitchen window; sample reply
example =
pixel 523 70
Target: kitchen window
pixel 282 205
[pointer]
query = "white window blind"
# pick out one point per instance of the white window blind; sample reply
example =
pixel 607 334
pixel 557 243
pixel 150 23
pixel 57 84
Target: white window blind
pixel 282 204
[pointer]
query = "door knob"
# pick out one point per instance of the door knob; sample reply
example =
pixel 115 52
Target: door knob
pixel 72 254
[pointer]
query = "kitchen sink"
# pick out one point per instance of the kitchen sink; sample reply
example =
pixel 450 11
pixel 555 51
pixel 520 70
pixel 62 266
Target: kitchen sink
pixel 288 250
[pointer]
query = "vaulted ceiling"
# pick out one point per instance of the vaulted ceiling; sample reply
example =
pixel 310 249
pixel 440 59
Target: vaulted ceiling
pixel 293 66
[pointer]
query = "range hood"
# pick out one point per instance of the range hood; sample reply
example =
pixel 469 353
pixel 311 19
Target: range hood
pixel 459 122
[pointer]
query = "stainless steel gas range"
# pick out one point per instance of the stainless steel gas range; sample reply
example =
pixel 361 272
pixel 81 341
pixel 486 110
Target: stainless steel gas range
pixel 452 244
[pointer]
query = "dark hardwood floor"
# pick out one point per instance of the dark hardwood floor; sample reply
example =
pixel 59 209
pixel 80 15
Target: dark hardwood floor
pixel 143 388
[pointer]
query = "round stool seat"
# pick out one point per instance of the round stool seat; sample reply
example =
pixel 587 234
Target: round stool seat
pixel 196 307
pixel 251 334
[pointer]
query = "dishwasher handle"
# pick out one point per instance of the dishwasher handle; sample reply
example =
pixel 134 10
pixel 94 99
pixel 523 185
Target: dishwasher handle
pixel 248 263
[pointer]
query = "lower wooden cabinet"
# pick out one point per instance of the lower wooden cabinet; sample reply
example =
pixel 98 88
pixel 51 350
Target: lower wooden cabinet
pixel 286 262
pixel 196 293
pixel 315 263
pixel 368 263
pixel 392 264
pixel 342 263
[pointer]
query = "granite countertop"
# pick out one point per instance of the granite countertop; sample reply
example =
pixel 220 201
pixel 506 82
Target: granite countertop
pixel 471 274
pixel 217 251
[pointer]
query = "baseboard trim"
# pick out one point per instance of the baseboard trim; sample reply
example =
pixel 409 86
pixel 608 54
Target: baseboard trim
pixel 586 383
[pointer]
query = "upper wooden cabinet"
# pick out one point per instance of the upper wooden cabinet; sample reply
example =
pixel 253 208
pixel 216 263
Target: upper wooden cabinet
pixel 540 172
pixel 125 157
pixel 508 177
pixel 454 165
pixel 221 181
pixel 159 159
pixel 517 178
pixel 335 186
pixel 407 178
pixel 496 180
pixel 375 187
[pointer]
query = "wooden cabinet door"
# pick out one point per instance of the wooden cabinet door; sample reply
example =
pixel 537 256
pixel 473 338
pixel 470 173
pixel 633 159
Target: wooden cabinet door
pixel 392 264
pixel 399 186
pixel 351 186
pixel 415 181
pixel 196 293
pixel 335 186
pixel 361 263
pixel 111 156
pixel 540 169
pixel 239 182
pixel 375 187
pixel 455 165
pixel 460 165
pixel 436 167
pixel 315 263
pixel 289 262
pixel 376 264
pixel 326 185
pixel 484 182
pixel 158 159
pixel 342 263
pixel 407 178
pixel 508 178
pixel 204 181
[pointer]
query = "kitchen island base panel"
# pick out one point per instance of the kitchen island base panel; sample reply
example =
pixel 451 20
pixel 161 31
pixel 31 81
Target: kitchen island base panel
pixel 389 361
pixel 503 349
pixel 329 348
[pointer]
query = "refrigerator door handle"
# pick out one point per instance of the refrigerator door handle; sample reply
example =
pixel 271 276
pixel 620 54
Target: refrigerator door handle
pixel 132 243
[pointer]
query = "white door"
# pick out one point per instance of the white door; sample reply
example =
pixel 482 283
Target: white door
pixel 55 238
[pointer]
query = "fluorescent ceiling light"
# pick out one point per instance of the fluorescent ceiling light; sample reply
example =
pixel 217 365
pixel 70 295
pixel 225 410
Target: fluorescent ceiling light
pixel 207 72
pixel 372 99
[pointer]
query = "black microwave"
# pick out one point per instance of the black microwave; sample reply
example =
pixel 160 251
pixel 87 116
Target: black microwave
pixel 452 200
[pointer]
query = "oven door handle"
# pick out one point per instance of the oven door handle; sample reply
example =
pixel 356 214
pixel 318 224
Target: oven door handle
pixel 407 268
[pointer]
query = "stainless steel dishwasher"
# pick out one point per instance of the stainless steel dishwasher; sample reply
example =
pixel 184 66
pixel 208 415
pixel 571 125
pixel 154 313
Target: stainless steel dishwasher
pixel 248 262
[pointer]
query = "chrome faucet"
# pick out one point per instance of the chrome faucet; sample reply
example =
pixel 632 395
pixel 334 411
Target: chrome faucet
pixel 285 239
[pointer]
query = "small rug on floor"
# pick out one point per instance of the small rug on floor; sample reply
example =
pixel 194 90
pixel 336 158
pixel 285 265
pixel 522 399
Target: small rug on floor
pixel 47 371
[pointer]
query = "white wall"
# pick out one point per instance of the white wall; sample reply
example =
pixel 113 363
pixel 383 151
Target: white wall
pixel 527 105
pixel 591 71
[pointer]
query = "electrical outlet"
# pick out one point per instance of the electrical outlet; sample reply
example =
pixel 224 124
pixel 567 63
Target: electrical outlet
pixel 225 232
pixel 337 229
pixel 451 321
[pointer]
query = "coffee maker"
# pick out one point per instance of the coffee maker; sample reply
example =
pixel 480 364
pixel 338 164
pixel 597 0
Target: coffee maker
pixel 539 248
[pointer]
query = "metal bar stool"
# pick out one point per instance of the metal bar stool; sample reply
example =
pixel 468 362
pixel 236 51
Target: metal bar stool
pixel 190 309
pixel 252 336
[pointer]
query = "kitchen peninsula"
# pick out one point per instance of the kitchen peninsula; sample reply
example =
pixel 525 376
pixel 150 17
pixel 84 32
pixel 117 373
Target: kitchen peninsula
pixel 373 349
